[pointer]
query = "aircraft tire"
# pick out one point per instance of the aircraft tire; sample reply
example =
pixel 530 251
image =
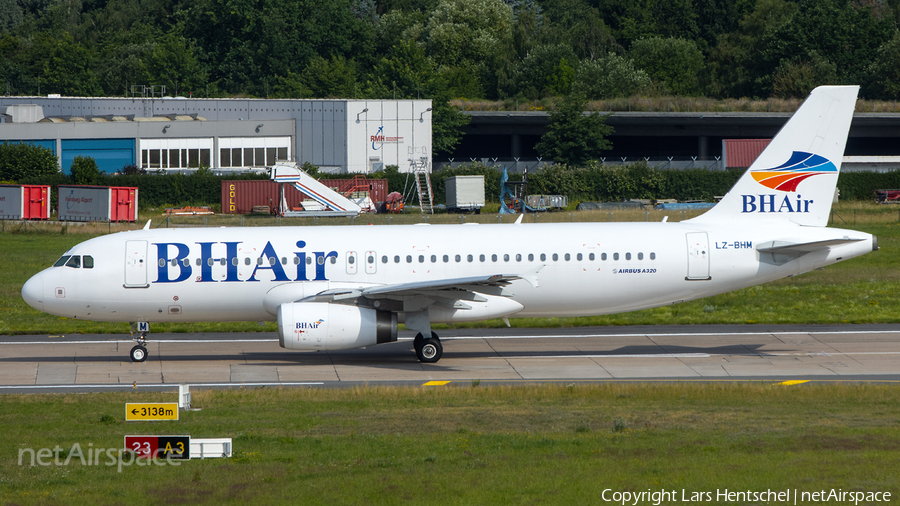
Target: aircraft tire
pixel 430 351
pixel 138 353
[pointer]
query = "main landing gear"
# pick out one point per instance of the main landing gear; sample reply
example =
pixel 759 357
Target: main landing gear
pixel 139 352
pixel 428 350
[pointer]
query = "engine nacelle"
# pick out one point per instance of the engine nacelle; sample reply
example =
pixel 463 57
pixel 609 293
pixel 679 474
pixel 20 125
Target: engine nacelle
pixel 324 326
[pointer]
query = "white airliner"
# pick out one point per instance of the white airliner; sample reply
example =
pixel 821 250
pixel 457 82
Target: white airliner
pixel 332 288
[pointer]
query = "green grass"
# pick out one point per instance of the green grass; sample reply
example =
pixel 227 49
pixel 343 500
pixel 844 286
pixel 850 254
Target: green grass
pixel 549 444
pixel 861 290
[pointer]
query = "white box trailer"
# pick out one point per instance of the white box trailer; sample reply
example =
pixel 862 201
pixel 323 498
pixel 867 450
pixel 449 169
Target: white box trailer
pixel 97 203
pixel 465 193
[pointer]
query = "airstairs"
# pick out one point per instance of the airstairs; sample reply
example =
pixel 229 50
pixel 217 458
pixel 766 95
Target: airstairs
pixel 419 168
pixel 328 202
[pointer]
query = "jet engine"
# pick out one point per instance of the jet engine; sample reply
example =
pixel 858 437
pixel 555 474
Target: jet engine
pixel 325 326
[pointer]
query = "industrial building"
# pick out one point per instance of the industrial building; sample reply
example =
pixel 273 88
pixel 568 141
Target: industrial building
pixel 175 134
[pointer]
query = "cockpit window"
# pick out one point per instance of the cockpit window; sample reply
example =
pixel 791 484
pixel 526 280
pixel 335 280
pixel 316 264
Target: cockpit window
pixel 88 262
pixel 74 262
pixel 62 261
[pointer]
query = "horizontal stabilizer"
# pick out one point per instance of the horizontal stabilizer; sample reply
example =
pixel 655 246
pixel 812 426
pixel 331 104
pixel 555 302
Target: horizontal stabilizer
pixel 787 248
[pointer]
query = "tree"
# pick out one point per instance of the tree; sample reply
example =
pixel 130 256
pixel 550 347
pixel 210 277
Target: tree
pixel 798 76
pixel 573 137
pixel 884 72
pixel 674 63
pixel 19 160
pixel 546 70
pixel 610 76
pixel 84 170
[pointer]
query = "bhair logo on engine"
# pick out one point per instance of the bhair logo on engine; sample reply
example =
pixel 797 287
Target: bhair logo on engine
pixel 309 325
pixel 785 178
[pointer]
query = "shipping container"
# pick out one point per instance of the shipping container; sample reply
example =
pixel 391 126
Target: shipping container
pixel 465 193
pixel 97 203
pixel 741 153
pixel 240 197
pixel 24 202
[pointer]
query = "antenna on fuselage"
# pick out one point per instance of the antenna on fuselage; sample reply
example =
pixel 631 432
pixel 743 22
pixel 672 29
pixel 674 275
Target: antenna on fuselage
pixel 147 226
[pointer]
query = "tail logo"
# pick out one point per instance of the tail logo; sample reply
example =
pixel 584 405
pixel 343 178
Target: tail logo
pixel 788 175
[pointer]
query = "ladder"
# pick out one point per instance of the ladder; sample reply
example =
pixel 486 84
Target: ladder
pixel 419 168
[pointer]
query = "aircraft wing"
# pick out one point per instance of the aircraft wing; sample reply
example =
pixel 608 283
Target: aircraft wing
pixel 452 289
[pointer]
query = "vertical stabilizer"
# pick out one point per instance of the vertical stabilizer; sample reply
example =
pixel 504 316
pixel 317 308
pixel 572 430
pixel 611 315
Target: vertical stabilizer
pixel 794 178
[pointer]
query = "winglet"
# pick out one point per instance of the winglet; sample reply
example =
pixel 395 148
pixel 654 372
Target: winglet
pixel 147 226
pixel 519 219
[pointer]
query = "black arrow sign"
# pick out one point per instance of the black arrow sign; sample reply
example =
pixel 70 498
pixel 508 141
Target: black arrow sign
pixel 134 411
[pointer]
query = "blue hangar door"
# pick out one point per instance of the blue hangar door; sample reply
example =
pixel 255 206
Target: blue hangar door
pixel 110 154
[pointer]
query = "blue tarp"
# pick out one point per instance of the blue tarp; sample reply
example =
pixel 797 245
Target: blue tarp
pixel 685 206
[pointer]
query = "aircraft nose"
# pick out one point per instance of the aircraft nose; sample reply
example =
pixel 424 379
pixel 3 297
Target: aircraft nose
pixel 33 292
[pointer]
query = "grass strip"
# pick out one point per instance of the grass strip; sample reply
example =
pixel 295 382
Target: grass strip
pixel 547 444
pixel 862 290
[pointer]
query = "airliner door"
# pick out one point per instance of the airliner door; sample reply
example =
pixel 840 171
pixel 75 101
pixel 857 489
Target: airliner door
pixel 698 256
pixel 136 264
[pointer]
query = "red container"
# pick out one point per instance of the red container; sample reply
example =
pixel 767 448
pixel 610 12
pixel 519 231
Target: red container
pixel 741 153
pixel 24 202
pixel 240 197
pixel 97 203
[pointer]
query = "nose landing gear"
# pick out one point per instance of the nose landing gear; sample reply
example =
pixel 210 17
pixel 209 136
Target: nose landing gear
pixel 139 352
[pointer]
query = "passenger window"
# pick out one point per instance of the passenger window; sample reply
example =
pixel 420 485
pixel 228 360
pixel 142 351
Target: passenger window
pixel 174 262
pixel 351 259
pixel 640 256
pixel 371 259
pixel 421 259
pixel 518 257
pixel 308 260
pixel 384 259
pixel 259 261
pixel 652 256
pixel 579 257
pixel 591 257
pixel 458 258
pixel 470 258
pixel 396 259
pixel 296 261
pixel 506 257
pixel 555 257
pixel 543 257
pixel 493 258
pixel 615 256
pixel 433 259
pixel 568 257
pixel 333 260
pixel 246 261
pixel 88 262
pixel 234 261
pixel 627 256
pixel 531 257
pixel 75 262
pixel 481 258
pixel 197 262
pixel 186 262
pixel 409 259
pixel 446 258
pixel 603 256
pixel 272 261
pixel 65 258
pixel 162 262
pixel 320 260
pixel 209 262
